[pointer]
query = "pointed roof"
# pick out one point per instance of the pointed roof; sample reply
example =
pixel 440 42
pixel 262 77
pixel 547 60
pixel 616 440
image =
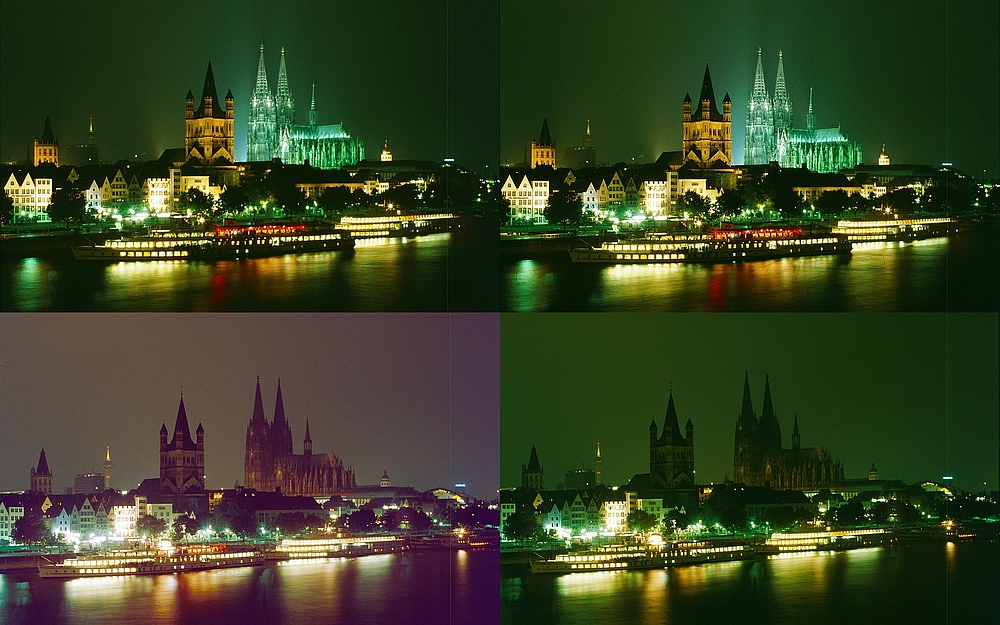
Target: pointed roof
pixel 283 78
pixel 258 407
pixel 229 96
pixel 47 136
pixel 190 96
pixel 200 429
pixel 163 430
pixel 43 465
pixel 747 410
pixel 312 103
pixel 209 91
pixel 181 428
pixel 780 92
pixel 279 408
pixel 533 461
pixel 545 138
pixel 308 438
pixel 795 428
pixel 767 412
pixel 708 95
pixel 261 87
pixel 759 87
pixel 670 421
pixel 687 98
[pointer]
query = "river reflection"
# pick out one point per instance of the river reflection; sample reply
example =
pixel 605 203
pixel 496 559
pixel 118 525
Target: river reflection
pixel 934 275
pixel 458 270
pixel 905 584
pixel 419 587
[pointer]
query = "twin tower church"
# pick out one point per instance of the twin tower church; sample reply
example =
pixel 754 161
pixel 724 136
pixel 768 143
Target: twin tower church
pixel 272 131
pixel 270 463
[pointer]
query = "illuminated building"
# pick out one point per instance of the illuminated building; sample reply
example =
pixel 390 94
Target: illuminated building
pixel 532 474
pixel 45 150
pixel 759 459
pixel 584 155
pixel 527 198
pixel 270 463
pixel 707 139
pixel 272 132
pixel 209 130
pixel 11 510
pixel 775 139
pixel 31 196
pixel 543 151
pixel 85 483
pixel 883 158
pixel 182 461
pixel 41 479
pixel 386 154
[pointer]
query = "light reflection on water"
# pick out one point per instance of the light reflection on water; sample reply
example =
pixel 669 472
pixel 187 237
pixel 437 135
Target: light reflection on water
pixel 418 587
pixel 922 275
pixel 904 584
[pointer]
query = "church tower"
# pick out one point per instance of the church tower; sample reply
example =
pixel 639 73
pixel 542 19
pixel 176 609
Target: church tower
pixel 759 144
pixel 209 129
pixel 707 136
pixel 782 112
pixel 258 470
pixel 671 456
pixel 41 478
pixel 182 461
pixel 307 443
pixel 284 108
pixel 543 151
pixel 46 150
pixel 532 475
pixel 746 437
pixel 262 132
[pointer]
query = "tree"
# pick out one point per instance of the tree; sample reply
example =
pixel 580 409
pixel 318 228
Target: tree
pixel 676 520
pixel 185 526
pixel 522 525
pixel 902 201
pixel 6 209
pixel 787 201
pixel 832 203
pixel 234 512
pixel 564 207
pixel 731 202
pixel 150 526
pixel 292 522
pixel 694 203
pixel 234 199
pixel 30 528
pixel 290 198
pixel 67 205
pixel 641 521
pixel 198 202
pixel 361 521
pixel 334 199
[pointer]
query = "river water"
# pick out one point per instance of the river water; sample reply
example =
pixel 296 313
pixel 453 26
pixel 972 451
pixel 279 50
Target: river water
pixel 959 273
pixel 454 271
pixel 414 588
pixel 930 582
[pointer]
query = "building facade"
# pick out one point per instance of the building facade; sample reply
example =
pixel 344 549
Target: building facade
pixel 209 134
pixel 270 464
pixel 41 478
pixel 771 135
pixel 182 461
pixel 707 140
pixel 45 149
pixel 543 151
pixel 760 460
pixel 272 132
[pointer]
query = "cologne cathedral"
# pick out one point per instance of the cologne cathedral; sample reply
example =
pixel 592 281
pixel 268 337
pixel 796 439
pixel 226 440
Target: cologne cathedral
pixel 270 463
pixel 770 135
pixel 759 459
pixel 273 133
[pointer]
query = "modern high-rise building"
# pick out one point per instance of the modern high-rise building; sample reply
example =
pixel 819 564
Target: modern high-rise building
pixel 771 136
pixel 85 153
pixel 273 133
pixel 759 459
pixel 579 156
pixel 543 151
pixel 209 135
pixel 45 149
pixel 707 141
pixel 270 464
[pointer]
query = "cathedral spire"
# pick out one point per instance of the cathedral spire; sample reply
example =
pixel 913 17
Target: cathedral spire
pixel 780 92
pixel 747 411
pixel 313 115
pixel 810 118
pixel 707 108
pixel 670 422
pixel 258 407
pixel 283 103
pixel 282 77
pixel 261 87
pixel 209 97
pixel 182 433
pixel 759 87
pixel 43 465
pixel 279 409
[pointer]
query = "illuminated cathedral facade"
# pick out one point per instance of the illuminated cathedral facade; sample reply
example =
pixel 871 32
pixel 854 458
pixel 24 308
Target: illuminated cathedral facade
pixel 759 459
pixel 273 133
pixel 770 135
pixel 271 465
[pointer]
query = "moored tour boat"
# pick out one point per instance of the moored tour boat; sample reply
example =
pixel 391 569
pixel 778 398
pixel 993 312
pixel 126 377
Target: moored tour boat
pixel 151 562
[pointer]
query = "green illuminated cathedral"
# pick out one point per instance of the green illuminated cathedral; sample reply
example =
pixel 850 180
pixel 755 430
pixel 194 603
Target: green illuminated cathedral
pixel 273 133
pixel 770 135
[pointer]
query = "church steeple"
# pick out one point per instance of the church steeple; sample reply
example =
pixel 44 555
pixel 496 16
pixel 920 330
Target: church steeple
pixel 182 433
pixel 258 417
pixel 209 97
pixel 782 103
pixel 747 412
pixel 261 86
pixel 810 118
pixel 707 108
pixel 796 441
pixel 307 442
pixel 313 115
pixel 283 103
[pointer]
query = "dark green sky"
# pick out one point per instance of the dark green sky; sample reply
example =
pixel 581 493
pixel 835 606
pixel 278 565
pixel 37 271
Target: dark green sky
pixel 921 76
pixel 915 393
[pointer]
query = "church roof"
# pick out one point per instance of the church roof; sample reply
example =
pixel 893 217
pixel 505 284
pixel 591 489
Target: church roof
pixel 544 138
pixel 43 465
pixel 181 429
pixel 279 406
pixel 670 421
pixel 258 406
pixel 707 95
pixel 533 461
pixel 210 91
pixel 747 411
pixel 47 136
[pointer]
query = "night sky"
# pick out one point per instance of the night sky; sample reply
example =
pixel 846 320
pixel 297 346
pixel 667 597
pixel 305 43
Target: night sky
pixel 915 393
pixel 375 388
pixel 380 67
pixel 921 76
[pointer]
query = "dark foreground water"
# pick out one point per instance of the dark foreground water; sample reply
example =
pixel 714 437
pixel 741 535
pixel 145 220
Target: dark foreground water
pixel 959 273
pixel 416 588
pixel 925 583
pixel 455 271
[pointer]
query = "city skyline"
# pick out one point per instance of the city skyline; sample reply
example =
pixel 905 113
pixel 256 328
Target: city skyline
pixel 355 377
pixel 387 72
pixel 912 393
pixel 922 80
